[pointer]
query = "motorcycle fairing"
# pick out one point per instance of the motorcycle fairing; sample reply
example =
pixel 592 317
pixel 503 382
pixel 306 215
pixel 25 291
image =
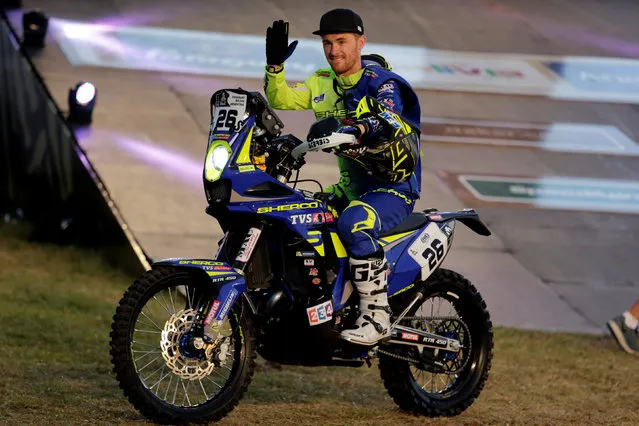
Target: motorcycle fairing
pixel 241 171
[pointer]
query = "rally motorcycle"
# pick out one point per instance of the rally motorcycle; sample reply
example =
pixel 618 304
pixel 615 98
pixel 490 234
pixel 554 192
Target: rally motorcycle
pixel 187 332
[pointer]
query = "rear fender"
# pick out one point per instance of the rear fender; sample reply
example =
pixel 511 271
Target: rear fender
pixel 468 217
pixel 231 283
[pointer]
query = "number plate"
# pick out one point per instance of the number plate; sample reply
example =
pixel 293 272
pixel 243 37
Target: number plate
pixel 229 111
pixel 429 249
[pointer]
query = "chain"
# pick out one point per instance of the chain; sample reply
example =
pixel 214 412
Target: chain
pixel 403 358
pixel 428 319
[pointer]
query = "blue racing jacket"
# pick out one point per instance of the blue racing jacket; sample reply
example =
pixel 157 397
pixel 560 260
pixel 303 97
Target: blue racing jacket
pixel 329 95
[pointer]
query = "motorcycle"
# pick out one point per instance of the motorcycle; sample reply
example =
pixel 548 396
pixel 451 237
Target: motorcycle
pixel 187 332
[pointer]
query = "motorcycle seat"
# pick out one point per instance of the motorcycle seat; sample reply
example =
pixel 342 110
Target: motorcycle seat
pixel 412 222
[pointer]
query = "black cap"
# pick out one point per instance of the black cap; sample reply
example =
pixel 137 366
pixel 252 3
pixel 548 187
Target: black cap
pixel 340 21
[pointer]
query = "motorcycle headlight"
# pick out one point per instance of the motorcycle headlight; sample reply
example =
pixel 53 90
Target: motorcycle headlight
pixel 216 159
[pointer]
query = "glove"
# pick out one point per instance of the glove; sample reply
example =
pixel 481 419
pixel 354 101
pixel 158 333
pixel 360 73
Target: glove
pixel 351 130
pixel 324 196
pixel 333 201
pixel 277 48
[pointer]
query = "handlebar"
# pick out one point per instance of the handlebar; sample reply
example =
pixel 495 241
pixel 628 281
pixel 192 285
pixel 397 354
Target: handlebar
pixel 330 141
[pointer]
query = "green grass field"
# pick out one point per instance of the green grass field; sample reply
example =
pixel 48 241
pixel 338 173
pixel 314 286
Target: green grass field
pixel 56 306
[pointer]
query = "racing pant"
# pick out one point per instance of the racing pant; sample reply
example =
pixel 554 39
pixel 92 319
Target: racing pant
pixel 361 222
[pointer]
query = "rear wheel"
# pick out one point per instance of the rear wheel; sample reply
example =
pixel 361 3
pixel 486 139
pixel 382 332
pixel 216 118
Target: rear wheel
pixel 435 382
pixel 164 376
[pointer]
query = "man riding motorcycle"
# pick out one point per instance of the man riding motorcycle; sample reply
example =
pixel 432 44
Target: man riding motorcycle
pixel 380 175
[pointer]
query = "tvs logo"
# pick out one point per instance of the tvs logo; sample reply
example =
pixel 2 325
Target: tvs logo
pixel 300 219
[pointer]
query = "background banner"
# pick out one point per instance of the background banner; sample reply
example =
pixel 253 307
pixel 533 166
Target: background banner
pixel 197 52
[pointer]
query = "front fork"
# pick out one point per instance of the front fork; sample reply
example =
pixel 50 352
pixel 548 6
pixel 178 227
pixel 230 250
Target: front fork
pixel 218 309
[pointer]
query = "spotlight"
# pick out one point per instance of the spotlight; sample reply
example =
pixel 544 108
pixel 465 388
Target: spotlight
pixel 34 28
pixel 81 103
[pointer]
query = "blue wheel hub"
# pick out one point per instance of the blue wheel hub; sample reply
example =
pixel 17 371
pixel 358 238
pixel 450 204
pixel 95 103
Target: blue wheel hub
pixel 186 347
pixel 450 355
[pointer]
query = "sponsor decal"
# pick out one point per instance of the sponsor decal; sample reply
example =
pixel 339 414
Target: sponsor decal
pixel 309 262
pixel 209 318
pixel 288 207
pixel 313 272
pixel 354 152
pixel 410 336
pixel 305 253
pixel 221 99
pixel 200 262
pixel 424 238
pixel 323 74
pixel 318 99
pixel 435 217
pixel 299 219
pixel 315 143
pixel 222 268
pixel 387 88
pixel 389 103
pixel 321 313
pixel 248 245
pixel 442 343
pixel 390 119
pixel 222 136
pixel 317 281
pixel 225 278
pixel 371 73
pixel 447 230
pixel 323 218
pixel 228 302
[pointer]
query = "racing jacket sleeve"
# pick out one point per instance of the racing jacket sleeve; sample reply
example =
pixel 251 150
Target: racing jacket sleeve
pixel 389 96
pixel 281 96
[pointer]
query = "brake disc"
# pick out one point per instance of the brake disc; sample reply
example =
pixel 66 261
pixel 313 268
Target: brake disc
pixel 184 367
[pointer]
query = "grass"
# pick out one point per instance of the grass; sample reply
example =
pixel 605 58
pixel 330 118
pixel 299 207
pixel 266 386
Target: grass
pixel 56 306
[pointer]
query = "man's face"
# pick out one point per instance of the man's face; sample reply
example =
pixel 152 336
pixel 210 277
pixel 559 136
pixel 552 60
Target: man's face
pixel 343 52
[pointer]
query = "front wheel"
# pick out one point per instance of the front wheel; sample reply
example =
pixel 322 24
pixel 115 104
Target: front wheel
pixel 435 382
pixel 163 376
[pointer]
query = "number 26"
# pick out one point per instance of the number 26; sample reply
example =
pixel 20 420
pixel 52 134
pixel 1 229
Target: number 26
pixel 434 253
pixel 226 119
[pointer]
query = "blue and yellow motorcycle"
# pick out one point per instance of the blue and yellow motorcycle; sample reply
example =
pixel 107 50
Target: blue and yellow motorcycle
pixel 187 332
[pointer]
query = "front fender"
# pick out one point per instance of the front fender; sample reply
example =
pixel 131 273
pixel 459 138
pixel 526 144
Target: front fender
pixel 218 272
pixel 232 283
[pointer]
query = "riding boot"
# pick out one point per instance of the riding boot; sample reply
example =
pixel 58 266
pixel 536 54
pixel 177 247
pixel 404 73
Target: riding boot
pixel 370 277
